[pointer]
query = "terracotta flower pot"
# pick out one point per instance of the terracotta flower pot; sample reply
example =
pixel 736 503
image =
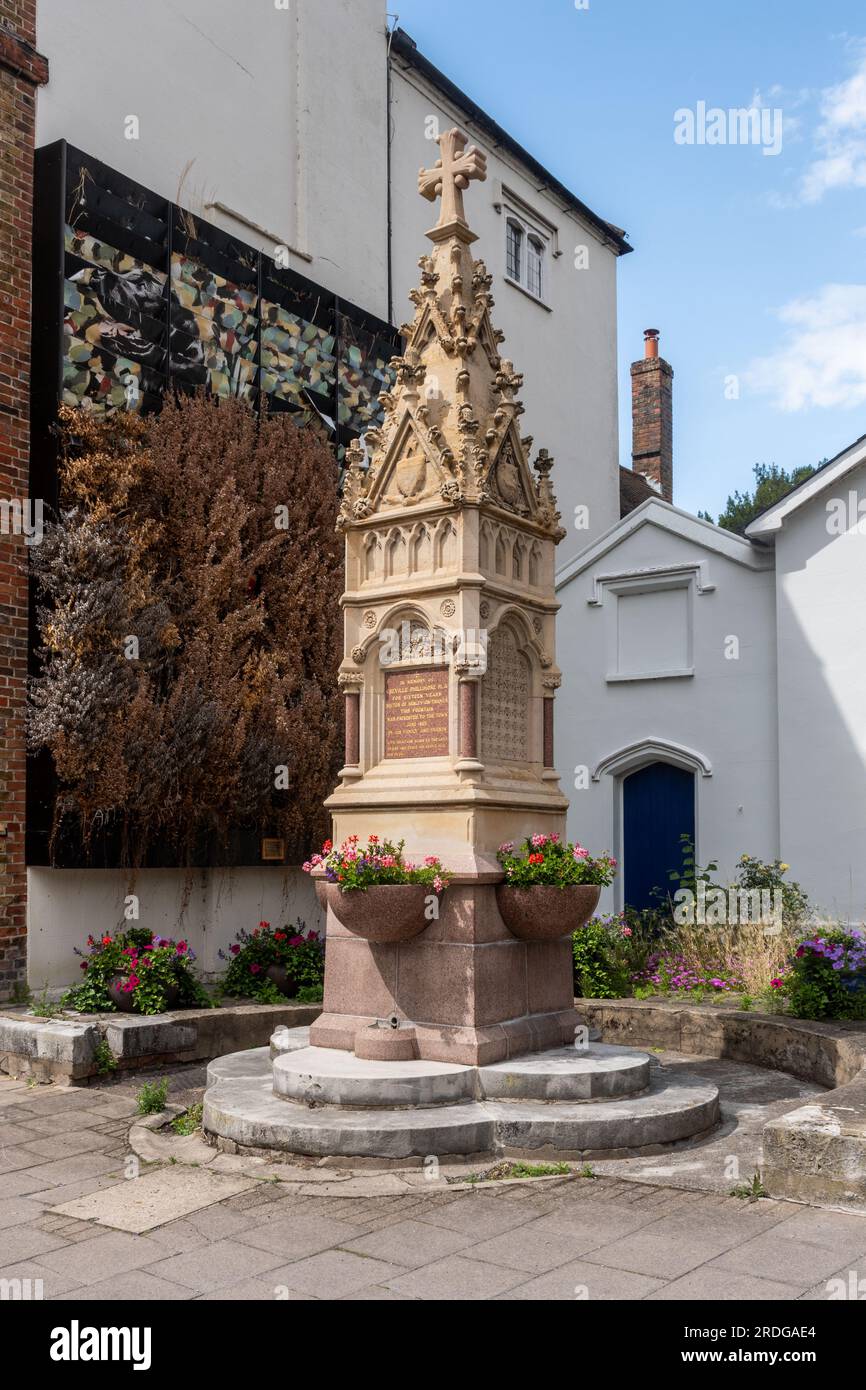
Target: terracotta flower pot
pixel 285 983
pixel 124 1000
pixel 385 912
pixel 120 998
pixel 546 913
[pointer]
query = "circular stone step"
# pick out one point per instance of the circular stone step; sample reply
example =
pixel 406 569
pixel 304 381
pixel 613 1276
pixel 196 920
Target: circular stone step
pixel 242 1109
pixel 250 1115
pixel 329 1076
pixel 597 1072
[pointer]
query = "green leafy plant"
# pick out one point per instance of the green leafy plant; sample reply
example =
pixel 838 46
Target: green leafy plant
pixel 751 1191
pixel 43 1007
pixel 156 971
pixel 104 1058
pixel 189 1121
pixel 294 950
pixel 546 859
pixel 610 952
pixel 827 976
pixel 380 862
pixel 755 876
pixel 151 1098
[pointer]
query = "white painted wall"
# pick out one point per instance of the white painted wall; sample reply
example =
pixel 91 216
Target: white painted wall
pixel 567 352
pixel 279 114
pixel 822 702
pixel 207 907
pixel 725 711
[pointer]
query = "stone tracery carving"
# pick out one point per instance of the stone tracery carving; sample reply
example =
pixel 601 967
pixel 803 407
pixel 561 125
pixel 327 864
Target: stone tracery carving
pixel 505 691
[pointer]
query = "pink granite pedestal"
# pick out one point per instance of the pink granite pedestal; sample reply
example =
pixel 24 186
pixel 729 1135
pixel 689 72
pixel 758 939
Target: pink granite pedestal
pixel 465 989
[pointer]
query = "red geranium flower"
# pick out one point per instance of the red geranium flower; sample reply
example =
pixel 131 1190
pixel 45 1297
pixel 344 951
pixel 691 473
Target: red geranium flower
pixel 181 948
pixel 106 941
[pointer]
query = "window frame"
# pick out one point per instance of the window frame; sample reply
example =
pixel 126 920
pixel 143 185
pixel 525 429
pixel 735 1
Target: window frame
pixel 531 234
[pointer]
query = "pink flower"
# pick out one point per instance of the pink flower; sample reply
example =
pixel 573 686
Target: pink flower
pixel 539 840
pixel 554 839
pixel 307 866
pixel 507 847
pixel 182 948
pixel 388 861
pixel 777 983
pixel 431 861
pixel 234 949
pixel 255 969
pixel 296 941
pixel 438 884
pixel 131 984
pixel 626 931
pixel 580 852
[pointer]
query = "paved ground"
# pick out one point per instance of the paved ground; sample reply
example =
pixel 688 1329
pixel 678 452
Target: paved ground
pixel 638 1237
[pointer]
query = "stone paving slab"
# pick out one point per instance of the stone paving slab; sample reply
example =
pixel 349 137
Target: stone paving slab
pixel 154 1199
pixel 336 1234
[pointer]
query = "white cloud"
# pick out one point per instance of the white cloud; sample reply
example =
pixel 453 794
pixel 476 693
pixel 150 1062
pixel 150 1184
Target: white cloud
pixel 840 139
pixel 823 360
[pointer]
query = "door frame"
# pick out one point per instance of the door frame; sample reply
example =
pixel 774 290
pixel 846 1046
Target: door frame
pixel 631 758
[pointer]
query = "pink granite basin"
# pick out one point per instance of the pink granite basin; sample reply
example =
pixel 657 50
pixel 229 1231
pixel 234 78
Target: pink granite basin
pixel 545 913
pixel 385 912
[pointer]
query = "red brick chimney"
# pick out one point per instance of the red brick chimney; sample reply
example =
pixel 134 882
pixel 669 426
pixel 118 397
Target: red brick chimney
pixel 22 71
pixel 651 417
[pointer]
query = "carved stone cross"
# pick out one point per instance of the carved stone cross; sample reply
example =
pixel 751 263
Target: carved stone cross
pixel 451 174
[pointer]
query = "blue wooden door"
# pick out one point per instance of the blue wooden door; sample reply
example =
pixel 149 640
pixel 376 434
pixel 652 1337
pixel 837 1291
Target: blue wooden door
pixel 658 806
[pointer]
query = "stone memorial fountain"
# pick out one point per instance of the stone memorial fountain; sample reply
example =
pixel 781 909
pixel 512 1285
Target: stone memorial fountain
pixel 452 1035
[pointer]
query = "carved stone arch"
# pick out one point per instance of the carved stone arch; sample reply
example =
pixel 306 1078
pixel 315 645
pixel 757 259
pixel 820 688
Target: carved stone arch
pixel 373 558
pixel 407 634
pixel 445 545
pixel 502 563
pixel 486 546
pixel 535 558
pixel 396 554
pixel 420 549
pixel 514 617
pixel 518 560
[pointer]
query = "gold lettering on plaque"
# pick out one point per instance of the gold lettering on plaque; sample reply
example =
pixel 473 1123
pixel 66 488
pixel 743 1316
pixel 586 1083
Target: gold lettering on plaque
pixel 416 713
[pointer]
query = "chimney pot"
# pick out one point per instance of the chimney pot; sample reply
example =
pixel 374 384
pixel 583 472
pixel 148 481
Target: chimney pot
pixel 650 342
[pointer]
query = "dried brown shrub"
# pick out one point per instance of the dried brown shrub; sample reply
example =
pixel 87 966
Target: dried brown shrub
pixel 206 534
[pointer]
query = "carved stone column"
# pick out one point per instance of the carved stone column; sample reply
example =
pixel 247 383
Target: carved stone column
pixel 468 675
pixel 350 684
pixel 550 684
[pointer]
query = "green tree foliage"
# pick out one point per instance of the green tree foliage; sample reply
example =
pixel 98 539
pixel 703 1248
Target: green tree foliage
pixel 771 483
pixel 190 628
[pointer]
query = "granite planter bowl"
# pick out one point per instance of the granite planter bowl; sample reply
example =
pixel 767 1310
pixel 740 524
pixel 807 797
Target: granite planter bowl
pixel 384 912
pixel 544 912
pixel 285 983
pixel 124 1000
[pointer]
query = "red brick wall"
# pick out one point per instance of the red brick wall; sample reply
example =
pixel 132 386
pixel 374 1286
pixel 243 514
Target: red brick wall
pixel 22 69
pixel 652 423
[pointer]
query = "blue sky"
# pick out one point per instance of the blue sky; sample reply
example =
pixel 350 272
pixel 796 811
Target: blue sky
pixel 751 265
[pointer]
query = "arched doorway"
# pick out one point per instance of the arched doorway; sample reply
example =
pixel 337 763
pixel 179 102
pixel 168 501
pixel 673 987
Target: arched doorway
pixel 658 808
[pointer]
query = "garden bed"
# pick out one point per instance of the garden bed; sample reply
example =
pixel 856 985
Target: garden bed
pixel 816 1153
pixel 73 1048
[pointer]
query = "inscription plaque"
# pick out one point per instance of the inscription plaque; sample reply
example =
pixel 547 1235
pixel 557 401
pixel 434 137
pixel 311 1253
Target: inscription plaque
pixel 416 713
